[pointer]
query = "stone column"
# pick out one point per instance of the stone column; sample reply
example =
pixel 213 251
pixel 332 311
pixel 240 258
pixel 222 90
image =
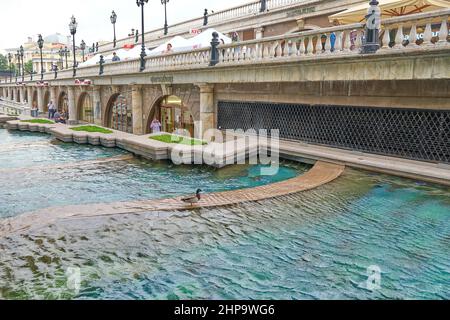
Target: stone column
pixel 40 94
pixel 96 97
pixel 10 91
pixel 259 33
pixel 21 94
pixel 136 100
pixel 206 107
pixel 53 96
pixel 73 116
pixel 30 96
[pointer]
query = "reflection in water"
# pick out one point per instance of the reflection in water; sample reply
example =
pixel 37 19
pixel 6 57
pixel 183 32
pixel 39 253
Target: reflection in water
pixel 313 245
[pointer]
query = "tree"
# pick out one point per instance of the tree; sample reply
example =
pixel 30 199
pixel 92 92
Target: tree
pixel 28 67
pixel 4 63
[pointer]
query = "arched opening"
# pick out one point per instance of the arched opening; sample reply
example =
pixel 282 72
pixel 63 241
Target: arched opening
pixel 25 93
pixel 63 102
pixel 46 100
pixel 12 95
pixel 18 95
pixel 173 115
pixel 119 114
pixel 85 108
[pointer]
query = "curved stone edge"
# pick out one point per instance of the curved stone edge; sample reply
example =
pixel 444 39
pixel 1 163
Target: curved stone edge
pixel 322 173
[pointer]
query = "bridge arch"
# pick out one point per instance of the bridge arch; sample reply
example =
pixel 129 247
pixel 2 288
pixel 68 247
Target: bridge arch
pixel 172 112
pixel 85 108
pixel 118 113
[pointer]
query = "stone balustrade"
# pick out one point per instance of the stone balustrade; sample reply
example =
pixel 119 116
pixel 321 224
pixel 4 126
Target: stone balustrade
pixel 10 107
pixel 339 40
pixel 334 41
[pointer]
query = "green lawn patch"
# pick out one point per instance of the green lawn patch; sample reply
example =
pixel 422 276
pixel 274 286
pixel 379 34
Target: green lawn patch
pixel 41 121
pixel 92 129
pixel 170 138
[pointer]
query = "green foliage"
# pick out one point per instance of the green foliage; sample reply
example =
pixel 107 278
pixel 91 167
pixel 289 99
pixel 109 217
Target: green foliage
pixel 92 129
pixel 170 138
pixel 28 67
pixel 41 121
pixel 3 63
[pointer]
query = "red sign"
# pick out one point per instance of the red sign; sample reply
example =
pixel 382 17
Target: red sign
pixel 195 31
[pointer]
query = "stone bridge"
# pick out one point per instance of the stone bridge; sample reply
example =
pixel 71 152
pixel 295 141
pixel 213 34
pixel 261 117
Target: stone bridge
pixel 303 69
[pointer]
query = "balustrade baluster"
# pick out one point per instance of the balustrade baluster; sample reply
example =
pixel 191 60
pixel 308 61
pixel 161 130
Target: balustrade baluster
pixel 286 48
pixel 443 32
pixel 302 50
pixel 413 36
pixel 266 50
pixel 386 38
pixel 338 43
pixel 278 50
pixel 347 41
pixel 428 35
pixel 327 45
pixel 399 37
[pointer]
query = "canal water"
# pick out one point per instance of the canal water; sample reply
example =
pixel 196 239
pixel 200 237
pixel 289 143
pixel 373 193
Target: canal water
pixel 363 236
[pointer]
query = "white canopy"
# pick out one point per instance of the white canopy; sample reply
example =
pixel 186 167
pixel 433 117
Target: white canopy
pixel 389 8
pixel 177 43
pixel 203 40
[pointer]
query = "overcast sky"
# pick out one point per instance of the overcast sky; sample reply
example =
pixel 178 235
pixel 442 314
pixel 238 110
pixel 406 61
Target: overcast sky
pixel 20 19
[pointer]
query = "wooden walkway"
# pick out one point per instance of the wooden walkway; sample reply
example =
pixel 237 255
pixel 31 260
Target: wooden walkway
pixel 320 174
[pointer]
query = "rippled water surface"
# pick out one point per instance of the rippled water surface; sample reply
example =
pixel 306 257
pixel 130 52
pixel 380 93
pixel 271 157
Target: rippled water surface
pixel 314 245
pixel 39 172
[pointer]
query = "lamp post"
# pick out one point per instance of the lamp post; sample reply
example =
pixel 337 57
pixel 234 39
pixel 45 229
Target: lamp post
pixel 41 45
pixel 82 47
pixel 166 26
pixel 73 30
pixel 141 3
pixel 373 24
pixel 17 64
pixel 66 54
pixel 10 66
pixel 113 21
pixel 61 57
pixel 21 51
pixel 205 17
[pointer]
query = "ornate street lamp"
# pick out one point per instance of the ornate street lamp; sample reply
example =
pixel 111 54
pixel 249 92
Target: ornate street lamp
pixel 373 23
pixel 61 57
pixel 10 66
pixel 166 26
pixel 82 47
pixel 113 21
pixel 141 3
pixel 73 30
pixel 41 45
pixel 21 52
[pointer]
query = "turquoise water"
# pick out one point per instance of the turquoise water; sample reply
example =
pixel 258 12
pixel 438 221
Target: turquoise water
pixel 314 245
pixel 46 173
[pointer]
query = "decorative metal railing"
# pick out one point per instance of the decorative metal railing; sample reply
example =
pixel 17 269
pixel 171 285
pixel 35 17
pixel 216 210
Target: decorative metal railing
pixel 339 41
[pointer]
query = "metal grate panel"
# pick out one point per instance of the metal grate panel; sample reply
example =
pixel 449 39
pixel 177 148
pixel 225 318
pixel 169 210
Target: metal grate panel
pixel 407 133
